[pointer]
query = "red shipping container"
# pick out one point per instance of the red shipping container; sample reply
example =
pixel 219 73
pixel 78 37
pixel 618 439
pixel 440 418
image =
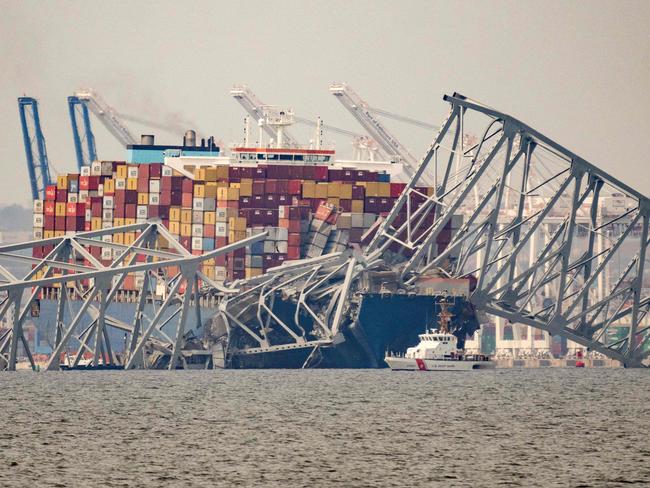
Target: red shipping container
pixel 163 213
pixel 75 209
pixel 308 172
pixel 320 173
pixel 61 195
pixel 186 200
pixel 155 170
pixel 153 211
pixel 186 242
pixel 50 193
pixel 49 207
pixel 324 211
pixel 294 187
pixel 130 211
pixel 283 186
pixel 143 185
pixel 259 172
pixel 293 252
pixel 75 223
pixel 294 239
pixel 48 222
pixel 258 187
pixel 271 187
pixel 345 204
pixel 208 230
pixel 143 172
pixel 59 223
pixel 296 172
pixel 396 189
pixel 187 186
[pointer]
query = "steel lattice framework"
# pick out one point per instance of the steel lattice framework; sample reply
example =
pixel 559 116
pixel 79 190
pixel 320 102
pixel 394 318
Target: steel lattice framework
pixel 552 242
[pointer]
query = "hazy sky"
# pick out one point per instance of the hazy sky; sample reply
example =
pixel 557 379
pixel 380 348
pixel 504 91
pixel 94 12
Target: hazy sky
pixel 577 71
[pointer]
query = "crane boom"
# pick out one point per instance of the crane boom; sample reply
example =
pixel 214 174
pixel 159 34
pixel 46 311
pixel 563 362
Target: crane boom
pixel 255 109
pixel 107 115
pixel 35 151
pixel 361 111
pixel 78 108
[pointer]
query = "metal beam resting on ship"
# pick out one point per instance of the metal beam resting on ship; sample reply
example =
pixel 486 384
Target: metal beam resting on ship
pixel 162 315
pixel 542 231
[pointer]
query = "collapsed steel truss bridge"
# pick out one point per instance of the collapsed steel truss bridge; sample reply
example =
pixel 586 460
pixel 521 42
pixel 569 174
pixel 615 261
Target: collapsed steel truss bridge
pixel 552 241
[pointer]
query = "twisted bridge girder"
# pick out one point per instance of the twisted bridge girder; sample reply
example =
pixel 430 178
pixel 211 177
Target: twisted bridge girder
pixel 543 232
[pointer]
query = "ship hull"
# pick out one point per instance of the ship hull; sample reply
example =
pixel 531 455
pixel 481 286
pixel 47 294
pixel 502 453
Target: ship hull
pixel 410 364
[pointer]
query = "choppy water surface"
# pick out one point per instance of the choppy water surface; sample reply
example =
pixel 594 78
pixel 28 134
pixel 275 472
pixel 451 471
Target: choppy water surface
pixel 559 427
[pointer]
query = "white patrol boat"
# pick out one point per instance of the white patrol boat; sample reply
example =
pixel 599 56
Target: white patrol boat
pixel 438 351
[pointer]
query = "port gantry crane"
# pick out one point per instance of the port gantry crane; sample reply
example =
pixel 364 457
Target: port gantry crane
pixel 35 150
pixel 524 180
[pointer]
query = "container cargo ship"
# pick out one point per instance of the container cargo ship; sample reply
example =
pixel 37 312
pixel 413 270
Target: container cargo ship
pixel 308 202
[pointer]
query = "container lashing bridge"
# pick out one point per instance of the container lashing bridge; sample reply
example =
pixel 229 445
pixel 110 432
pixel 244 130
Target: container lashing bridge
pixel 534 236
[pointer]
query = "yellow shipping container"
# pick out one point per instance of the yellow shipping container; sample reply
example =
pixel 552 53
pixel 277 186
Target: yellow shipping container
pixel 308 189
pixel 143 199
pixel 211 190
pixel 321 190
pixel 129 221
pixel 118 237
pixel 209 218
pixel 186 216
pixel 186 230
pixel 131 183
pixel 333 190
pixel 253 272
pixel 121 171
pixel 199 191
pixel 62 182
pixel 383 189
pixel 49 234
pixel 59 233
pixel 199 174
pixel 371 189
pixel 208 271
pixel 237 224
pixel 209 262
pixel 228 194
pixel 222 171
pixel 118 221
pixel 175 214
pixel 334 201
pixel 210 174
pixel 162 244
pixel 175 227
pixel 234 236
pixel 59 209
pixel 95 223
pixel 109 185
pixel 129 237
pixel 345 191
pixel 357 206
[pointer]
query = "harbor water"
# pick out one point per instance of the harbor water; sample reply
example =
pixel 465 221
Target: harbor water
pixel 313 428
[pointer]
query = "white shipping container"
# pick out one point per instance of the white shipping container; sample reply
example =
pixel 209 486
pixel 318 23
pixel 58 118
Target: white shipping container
pixel 132 172
pixel 141 212
pixel 88 214
pixel 368 219
pixel 107 224
pixel 38 233
pixel 108 202
pixel 154 186
pixel 107 168
pixel 96 168
pixel 282 247
pixel 282 234
pixel 197 203
pixel 357 220
pixel 209 204
pixel 269 247
pixel 120 183
pixel 197 230
pixel 73 197
pixel 154 199
pixel 197 243
pixel 107 238
pixel 38 206
pixel 221 229
pixel 167 171
pixel 85 171
pixel 83 196
pixel 220 273
pixel 107 253
pixel 39 220
pixel 107 214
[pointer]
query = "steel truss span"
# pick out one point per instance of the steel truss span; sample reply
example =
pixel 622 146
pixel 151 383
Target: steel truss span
pixel 552 242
